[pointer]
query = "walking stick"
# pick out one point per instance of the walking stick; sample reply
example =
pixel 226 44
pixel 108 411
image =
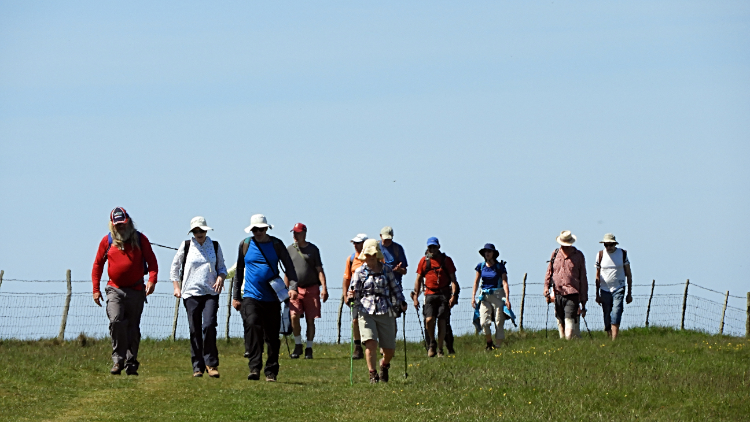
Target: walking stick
pixel 587 327
pixel 286 340
pixel 351 348
pixel 403 328
pixel 421 329
pixel 546 322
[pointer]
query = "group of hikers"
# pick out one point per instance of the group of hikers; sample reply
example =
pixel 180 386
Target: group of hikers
pixel 372 286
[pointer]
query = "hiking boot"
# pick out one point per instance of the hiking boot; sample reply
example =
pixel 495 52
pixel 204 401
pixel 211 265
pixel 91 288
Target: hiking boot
pixel 246 355
pixel 270 377
pixel 490 346
pixel 384 371
pixel 308 353
pixel 440 353
pixel 116 369
pixel 431 352
pixel 254 375
pixel 131 370
pixel 451 351
pixel 297 351
pixel 374 378
pixel 358 352
pixel 213 371
pixel 197 374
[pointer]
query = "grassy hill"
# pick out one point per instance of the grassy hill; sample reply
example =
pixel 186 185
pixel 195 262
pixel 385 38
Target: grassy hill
pixel 653 374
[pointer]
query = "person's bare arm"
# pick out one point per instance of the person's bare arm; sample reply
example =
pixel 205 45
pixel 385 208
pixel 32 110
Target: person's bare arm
pixel 506 288
pixel 454 291
pixel 629 275
pixel 598 284
pixel 474 290
pixel 417 290
pixel 323 287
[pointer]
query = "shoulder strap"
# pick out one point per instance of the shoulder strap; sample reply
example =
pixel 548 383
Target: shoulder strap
pixel 296 247
pixel 273 269
pixel 184 258
pixel 599 258
pixel 351 259
pixel 624 256
pixel 109 245
pixel 245 245
pixel 216 253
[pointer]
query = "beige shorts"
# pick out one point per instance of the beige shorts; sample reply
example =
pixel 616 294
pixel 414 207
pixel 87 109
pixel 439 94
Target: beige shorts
pixel 381 328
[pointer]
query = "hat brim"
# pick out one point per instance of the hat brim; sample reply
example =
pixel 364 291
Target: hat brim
pixel 386 236
pixel 566 243
pixel 483 250
pixel 610 241
pixel 204 228
pixel 362 256
pixel 250 228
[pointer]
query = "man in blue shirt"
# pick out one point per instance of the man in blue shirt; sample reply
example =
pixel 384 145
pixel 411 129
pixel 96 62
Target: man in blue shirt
pixel 395 257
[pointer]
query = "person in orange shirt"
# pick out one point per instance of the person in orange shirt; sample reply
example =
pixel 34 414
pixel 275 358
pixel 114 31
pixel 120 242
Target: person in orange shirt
pixel 352 263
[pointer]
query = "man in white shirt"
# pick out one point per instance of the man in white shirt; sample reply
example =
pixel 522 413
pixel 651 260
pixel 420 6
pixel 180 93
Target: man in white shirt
pixel 612 272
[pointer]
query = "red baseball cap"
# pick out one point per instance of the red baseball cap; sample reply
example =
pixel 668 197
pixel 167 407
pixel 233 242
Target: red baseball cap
pixel 119 216
pixel 299 228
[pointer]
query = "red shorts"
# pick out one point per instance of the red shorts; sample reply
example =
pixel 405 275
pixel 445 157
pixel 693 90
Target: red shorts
pixel 307 302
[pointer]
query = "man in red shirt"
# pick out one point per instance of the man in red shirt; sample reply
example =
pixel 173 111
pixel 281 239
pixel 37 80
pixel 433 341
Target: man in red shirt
pixel 438 274
pixel 566 276
pixel 130 258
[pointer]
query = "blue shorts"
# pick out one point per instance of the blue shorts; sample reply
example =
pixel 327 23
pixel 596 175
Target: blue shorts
pixel 612 305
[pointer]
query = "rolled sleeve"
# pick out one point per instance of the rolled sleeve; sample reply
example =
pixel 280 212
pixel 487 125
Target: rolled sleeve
pixel 175 271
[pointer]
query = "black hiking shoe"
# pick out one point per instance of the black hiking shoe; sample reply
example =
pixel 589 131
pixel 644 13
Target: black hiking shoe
pixel 297 351
pixel 451 351
pixel 374 378
pixel 116 368
pixel 440 353
pixel 254 375
pixel 246 355
pixel 384 371
pixel 270 378
pixel 358 353
pixel 308 353
pixel 131 370
pixel 490 346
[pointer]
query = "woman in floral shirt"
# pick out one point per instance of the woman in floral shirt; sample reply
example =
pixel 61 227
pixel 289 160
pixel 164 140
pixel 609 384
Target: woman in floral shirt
pixel 378 296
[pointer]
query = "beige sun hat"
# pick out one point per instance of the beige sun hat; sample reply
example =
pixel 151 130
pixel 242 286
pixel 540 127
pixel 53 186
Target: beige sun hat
pixel 258 220
pixel 371 247
pixel 566 238
pixel 198 223
pixel 609 238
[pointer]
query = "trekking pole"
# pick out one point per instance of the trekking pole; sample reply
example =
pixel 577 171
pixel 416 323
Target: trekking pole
pixel 587 326
pixel 286 340
pixel 421 329
pixel 403 328
pixel 351 348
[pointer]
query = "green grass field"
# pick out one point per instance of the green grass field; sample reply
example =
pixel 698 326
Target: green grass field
pixel 653 374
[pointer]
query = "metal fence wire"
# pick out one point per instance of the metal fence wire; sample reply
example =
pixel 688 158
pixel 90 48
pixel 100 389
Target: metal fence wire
pixel 39 315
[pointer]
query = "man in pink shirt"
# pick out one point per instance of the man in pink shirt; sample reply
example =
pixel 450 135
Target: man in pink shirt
pixel 566 275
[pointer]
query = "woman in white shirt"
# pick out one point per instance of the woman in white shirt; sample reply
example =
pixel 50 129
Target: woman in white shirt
pixel 198 274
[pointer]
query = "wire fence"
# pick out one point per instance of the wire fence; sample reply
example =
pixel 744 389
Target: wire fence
pixel 40 315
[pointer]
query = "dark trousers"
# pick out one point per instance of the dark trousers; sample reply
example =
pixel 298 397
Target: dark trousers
pixel 124 309
pixel 201 313
pixel 262 321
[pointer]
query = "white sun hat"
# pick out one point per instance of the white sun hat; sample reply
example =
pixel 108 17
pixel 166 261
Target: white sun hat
pixel 199 223
pixel 566 238
pixel 609 238
pixel 258 220
pixel 371 247
pixel 359 238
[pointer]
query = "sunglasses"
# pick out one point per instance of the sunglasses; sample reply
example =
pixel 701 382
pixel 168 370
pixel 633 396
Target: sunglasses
pixel 198 231
pixel 259 229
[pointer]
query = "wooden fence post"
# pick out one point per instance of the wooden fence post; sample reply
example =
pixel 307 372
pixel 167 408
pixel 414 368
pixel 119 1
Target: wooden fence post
pixel 64 322
pixel 2 273
pixel 176 313
pixel 747 321
pixel 648 309
pixel 723 312
pixel 523 299
pixel 338 321
pixel 229 307
pixel 684 305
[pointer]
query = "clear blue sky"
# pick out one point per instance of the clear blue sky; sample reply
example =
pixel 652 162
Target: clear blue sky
pixel 501 122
